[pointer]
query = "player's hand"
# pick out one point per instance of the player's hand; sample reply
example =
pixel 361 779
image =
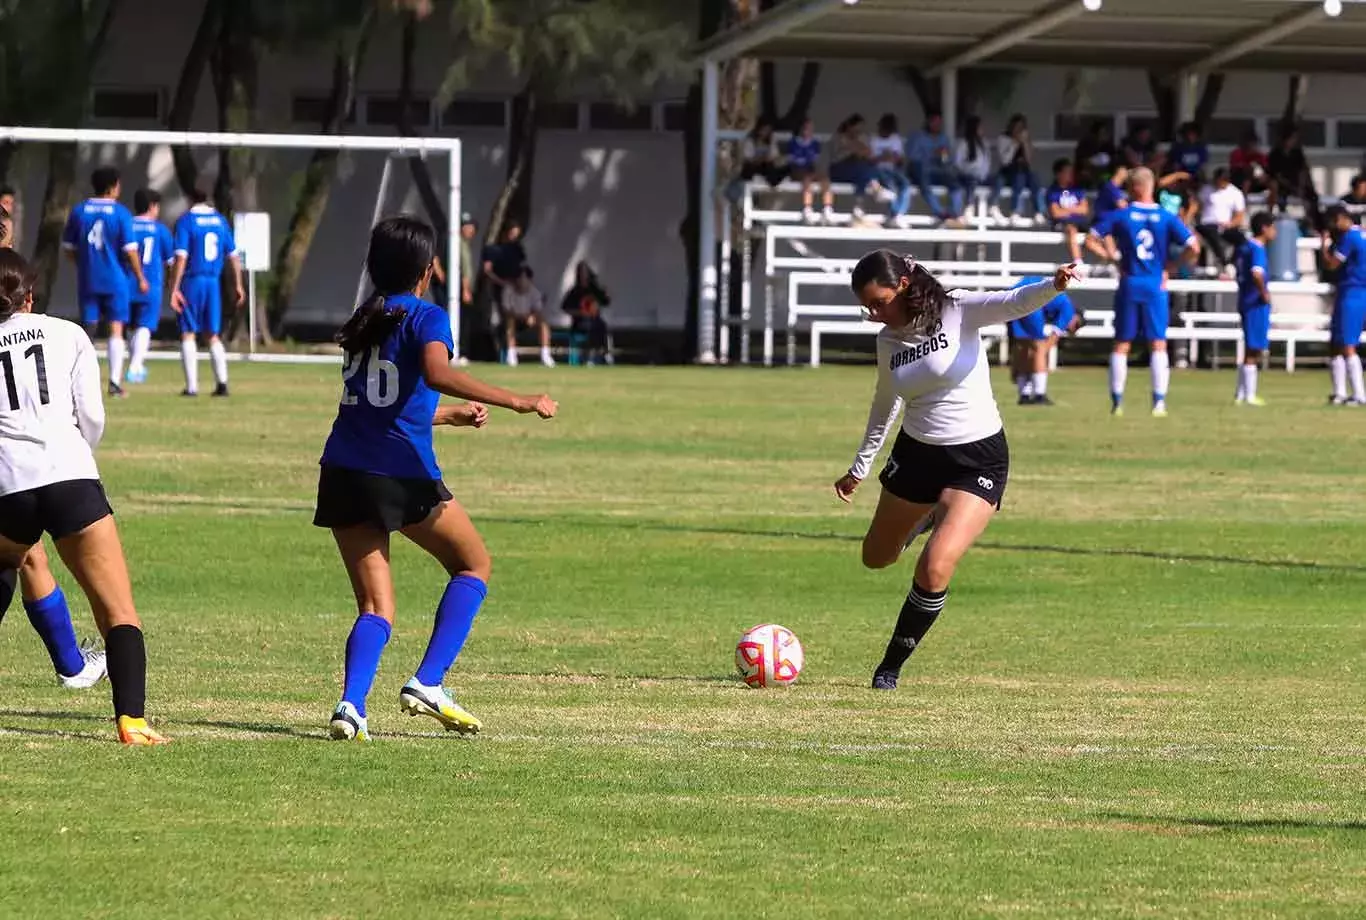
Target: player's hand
pixel 143 286
pixel 465 415
pixel 1065 275
pixel 241 295
pixel 540 404
pixel 845 486
pixel 177 301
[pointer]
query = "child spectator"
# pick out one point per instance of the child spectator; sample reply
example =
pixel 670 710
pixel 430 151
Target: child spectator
pixel 1248 166
pixel 803 159
pixel 889 153
pixel 1190 153
pixel 523 307
pixel 851 159
pixel 931 163
pixel 759 155
pixel 972 157
pixel 1095 156
pixel 1068 208
pixel 583 303
pixel 1015 154
pixel 1354 201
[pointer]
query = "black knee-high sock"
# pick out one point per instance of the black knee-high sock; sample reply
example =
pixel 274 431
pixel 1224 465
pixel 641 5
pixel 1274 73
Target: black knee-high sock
pixel 918 614
pixel 127 658
pixel 8 579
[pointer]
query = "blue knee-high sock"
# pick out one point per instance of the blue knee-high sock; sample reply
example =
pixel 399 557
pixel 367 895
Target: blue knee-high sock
pixel 51 619
pixel 454 617
pixel 363 648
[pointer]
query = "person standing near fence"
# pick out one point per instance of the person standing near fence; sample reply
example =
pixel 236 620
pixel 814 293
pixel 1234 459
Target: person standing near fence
pixel 1254 306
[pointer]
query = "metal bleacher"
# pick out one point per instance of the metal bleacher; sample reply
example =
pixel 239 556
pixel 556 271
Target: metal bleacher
pixel 794 258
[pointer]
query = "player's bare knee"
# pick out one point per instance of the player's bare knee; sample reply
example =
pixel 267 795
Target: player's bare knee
pixel 934 571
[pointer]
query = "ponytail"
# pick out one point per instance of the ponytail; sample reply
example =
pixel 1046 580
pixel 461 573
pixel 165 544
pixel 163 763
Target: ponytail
pixel 370 326
pixel 16 283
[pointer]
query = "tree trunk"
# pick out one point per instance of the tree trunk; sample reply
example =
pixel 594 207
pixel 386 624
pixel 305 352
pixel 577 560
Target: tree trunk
pixel 1164 100
pixel 1296 92
pixel 181 114
pixel 1209 99
pixel 801 100
pixel 417 166
pixel 514 200
pixel 321 170
pixel 58 193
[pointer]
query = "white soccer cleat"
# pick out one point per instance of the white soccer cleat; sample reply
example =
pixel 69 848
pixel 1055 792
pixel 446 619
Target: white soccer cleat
pixel 348 724
pixel 417 699
pixel 92 671
pixel 512 357
pixel 547 360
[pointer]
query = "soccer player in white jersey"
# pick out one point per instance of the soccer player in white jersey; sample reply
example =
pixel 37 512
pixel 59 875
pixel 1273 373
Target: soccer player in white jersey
pixel 950 462
pixel 51 418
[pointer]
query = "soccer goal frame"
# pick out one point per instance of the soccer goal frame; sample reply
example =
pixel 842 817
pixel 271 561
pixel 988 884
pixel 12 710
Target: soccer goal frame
pixel 450 147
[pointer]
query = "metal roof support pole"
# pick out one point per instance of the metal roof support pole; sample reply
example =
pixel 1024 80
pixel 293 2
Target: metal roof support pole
pixel 1187 91
pixel 1016 32
pixel 1258 38
pixel 706 203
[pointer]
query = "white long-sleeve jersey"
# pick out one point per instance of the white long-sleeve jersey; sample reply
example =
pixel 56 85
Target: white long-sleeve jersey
pixel 51 407
pixel 941 378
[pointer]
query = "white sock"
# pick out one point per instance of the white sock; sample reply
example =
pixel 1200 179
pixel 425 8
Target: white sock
pixel 1248 387
pixel 137 351
pixel 1355 375
pixel 117 352
pixel 218 357
pixel 1040 383
pixel 1119 374
pixel 189 360
pixel 1338 368
pixel 1161 367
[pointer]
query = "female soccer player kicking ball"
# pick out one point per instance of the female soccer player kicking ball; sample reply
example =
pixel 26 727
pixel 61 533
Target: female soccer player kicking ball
pixel 51 418
pixel 950 459
pixel 379 473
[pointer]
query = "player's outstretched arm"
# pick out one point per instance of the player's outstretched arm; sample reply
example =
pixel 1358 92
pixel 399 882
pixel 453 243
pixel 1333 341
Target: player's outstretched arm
pixel 440 376
pixel 982 308
pixel 464 415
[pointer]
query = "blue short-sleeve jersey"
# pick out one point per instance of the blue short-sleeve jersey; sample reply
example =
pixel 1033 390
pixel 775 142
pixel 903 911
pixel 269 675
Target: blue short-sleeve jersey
pixel 1351 250
pixel 98 231
pixel 1251 260
pixel 384 422
pixel 155 249
pixel 1144 235
pixel 803 152
pixel 1109 197
pixel 203 237
pixel 1065 197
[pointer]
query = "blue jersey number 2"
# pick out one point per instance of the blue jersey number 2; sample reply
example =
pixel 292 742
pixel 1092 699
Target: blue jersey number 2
pixel 381 380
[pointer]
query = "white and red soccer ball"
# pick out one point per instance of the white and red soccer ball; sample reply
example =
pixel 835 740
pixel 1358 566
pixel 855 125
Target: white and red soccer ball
pixel 769 656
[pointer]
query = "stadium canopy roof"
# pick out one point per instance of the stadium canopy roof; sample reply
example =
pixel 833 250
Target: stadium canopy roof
pixel 1191 36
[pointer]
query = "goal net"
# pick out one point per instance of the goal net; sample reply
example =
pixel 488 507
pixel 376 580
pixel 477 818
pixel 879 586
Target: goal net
pixel 369 178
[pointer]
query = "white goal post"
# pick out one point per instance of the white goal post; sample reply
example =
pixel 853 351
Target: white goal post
pixel 394 146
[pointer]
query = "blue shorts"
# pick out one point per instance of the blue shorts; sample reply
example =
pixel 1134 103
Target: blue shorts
pixel 1349 315
pixel 1029 328
pixel 203 313
pixel 1141 311
pixel 1257 327
pixel 112 308
pixel 147 313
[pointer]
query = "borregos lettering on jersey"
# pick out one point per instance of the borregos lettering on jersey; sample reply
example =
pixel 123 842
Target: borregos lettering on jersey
pixel 935 342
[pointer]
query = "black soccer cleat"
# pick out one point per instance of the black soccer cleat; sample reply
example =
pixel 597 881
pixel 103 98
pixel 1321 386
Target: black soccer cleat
pixel 1044 400
pixel 190 393
pixel 884 680
pixel 116 391
pixel 1025 400
pixel 221 390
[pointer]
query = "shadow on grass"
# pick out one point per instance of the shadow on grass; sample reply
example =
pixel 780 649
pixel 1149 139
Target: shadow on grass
pixel 1100 552
pixel 1240 824
pixel 256 728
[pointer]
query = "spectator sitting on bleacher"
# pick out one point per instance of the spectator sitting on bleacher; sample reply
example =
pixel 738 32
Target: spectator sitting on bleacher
pixel 1068 207
pixel 1223 212
pixel 504 260
pixel 931 163
pixel 851 160
pixel 972 157
pixel 803 163
pixel 523 306
pixel 1354 201
pixel 1290 176
pixel 1095 156
pixel 759 155
pixel 1014 153
pixel 1175 190
pixel 889 153
pixel 1138 148
pixel 1190 153
pixel 583 304
pixel 1248 166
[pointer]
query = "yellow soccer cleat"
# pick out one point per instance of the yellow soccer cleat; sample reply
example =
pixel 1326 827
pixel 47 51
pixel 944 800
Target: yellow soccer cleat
pixel 137 733
pixel 1160 410
pixel 1255 401
pixel 418 700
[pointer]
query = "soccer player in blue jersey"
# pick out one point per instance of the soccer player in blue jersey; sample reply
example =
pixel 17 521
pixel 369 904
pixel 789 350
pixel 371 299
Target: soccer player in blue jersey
pixel 1139 238
pixel 156 249
pixel 203 242
pixel 379 473
pixel 1344 248
pixel 99 238
pixel 1254 306
pixel 1035 336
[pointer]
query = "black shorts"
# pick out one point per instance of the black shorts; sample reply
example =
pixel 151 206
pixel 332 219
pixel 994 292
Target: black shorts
pixel 919 472
pixel 60 509
pixel 348 498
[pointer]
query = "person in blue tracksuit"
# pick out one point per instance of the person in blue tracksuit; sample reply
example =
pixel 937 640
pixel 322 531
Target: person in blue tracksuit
pixel 1254 305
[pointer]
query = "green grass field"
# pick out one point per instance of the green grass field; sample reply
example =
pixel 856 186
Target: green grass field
pixel 1147 697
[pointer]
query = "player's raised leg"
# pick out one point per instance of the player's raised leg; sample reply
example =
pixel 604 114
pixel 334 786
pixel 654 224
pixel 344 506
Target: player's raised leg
pixel 450 537
pixel 77 667
pixel 365 554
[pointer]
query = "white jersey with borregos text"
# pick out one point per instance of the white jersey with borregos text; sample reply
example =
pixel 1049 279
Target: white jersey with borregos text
pixel 941 378
pixel 51 407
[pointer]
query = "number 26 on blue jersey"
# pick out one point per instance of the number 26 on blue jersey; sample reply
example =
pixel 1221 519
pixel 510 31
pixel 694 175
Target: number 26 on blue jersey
pixel 381 379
